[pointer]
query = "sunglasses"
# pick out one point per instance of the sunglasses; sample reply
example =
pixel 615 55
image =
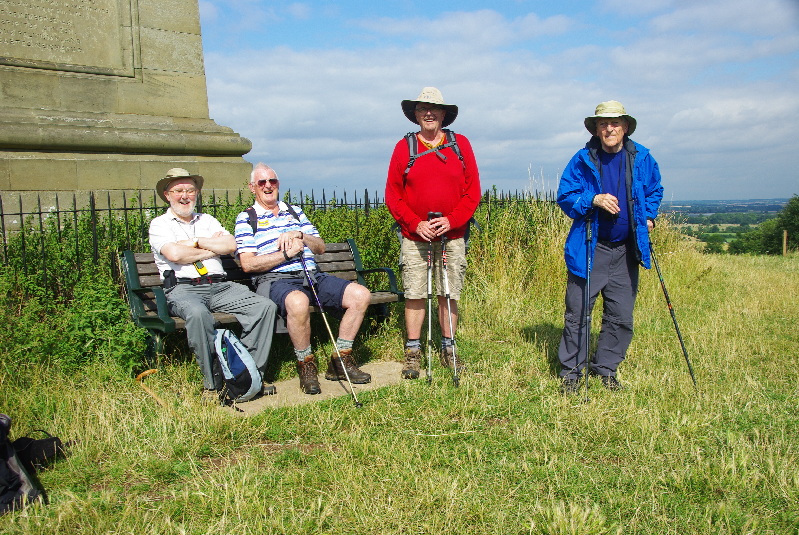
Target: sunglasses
pixel 272 182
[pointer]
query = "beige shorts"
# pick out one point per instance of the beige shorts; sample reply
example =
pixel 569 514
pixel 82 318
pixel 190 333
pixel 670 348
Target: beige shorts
pixel 414 268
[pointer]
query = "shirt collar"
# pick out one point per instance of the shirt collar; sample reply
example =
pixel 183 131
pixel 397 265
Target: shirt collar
pixel 260 210
pixel 194 216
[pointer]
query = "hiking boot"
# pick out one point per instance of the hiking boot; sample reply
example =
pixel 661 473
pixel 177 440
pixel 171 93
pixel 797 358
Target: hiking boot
pixel 611 383
pixel 413 359
pixel 308 372
pixel 569 385
pixel 336 373
pixel 608 381
pixel 445 357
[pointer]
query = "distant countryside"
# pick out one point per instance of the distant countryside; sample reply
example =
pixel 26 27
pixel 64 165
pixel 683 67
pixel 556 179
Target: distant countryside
pixel 754 226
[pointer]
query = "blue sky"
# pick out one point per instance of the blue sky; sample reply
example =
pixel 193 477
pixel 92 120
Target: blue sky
pixel 316 86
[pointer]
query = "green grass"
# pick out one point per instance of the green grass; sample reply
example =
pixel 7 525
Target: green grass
pixel 504 453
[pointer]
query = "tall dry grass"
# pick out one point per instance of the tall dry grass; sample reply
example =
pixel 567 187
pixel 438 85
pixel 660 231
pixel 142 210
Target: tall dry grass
pixel 503 453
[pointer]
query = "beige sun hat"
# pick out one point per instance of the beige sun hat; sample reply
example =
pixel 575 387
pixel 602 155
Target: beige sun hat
pixel 172 175
pixel 610 108
pixel 430 95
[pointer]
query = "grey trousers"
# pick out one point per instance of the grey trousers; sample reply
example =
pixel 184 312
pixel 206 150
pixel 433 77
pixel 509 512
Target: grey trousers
pixel 255 313
pixel 614 275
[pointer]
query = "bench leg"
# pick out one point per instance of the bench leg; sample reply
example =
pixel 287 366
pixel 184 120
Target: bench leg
pixel 380 311
pixel 155 347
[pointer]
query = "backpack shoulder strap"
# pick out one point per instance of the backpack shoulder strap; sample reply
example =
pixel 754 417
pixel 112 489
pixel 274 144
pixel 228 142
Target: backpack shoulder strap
pixel 413 150
pixel 453 142
pixel 292 211
pixel 414 154
pixel 252 217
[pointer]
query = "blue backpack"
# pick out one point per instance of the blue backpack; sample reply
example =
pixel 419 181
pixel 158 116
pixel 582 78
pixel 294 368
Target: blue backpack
pixel 242 379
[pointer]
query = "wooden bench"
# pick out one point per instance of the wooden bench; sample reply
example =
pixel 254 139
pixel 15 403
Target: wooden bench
pixel 149 308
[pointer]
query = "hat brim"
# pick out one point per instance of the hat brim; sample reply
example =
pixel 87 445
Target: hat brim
pixel 409 109
pixel 590 122
pixel 163 184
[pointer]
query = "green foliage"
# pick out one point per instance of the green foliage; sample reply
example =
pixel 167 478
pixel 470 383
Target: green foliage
pixel 768 237
pixel 91 325
pixel 729 218
pixel 62 290
pixel 504 453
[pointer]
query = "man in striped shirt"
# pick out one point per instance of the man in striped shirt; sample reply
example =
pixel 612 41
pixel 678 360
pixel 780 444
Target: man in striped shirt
pixel 270 236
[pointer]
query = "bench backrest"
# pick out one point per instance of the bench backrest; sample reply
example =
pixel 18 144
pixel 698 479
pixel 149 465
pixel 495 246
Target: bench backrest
pixel 337 260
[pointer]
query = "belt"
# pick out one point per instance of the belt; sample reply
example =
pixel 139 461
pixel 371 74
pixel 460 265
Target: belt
pixel 612 244
pixel 205 279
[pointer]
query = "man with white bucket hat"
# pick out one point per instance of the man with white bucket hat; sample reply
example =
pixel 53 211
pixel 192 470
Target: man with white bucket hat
pixel 611 189
pixel 187 248
pixel 432 192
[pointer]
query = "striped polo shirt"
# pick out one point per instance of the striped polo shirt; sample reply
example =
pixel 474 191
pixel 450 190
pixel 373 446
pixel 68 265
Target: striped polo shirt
pixel 268 229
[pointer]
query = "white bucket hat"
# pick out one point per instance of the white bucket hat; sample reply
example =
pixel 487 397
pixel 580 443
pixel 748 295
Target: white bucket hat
pixel 172 175
pixel 610 108
pixel 430 95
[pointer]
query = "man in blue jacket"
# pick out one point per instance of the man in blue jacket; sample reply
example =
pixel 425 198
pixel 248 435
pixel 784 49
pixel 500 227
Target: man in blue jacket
pixel 613 185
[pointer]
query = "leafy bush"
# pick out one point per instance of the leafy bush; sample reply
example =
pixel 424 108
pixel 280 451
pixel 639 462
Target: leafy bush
pixel 768 237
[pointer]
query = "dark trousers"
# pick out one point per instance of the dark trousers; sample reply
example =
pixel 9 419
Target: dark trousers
pixel 255 313
pixel 614 275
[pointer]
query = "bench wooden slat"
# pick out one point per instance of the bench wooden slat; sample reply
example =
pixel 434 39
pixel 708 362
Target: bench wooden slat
pixel 145 291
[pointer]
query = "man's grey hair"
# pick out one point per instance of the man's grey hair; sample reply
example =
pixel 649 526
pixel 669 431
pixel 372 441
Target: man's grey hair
pixel 260 167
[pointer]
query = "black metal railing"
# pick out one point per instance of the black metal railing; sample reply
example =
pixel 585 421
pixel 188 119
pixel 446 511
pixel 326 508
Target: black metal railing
pixel 57 238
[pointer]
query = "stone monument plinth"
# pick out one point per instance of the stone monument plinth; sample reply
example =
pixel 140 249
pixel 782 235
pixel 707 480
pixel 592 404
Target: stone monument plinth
pixel 107 95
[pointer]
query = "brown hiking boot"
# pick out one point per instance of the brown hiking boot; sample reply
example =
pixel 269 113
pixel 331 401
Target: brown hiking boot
pixel 413 359
pixel 307 370
pixel 445 357
pixel 336 373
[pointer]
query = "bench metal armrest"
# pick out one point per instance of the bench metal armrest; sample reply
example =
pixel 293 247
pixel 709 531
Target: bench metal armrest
pixel 360 271
pixel 392 279
pixel 162 321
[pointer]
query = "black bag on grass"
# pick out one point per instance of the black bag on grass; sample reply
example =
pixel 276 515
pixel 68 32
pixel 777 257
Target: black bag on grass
pixel 18 486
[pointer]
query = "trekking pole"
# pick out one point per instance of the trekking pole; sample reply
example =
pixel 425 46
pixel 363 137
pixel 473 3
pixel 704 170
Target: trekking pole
pixel 673 316
pixel 587 299
pixel 430 215
pixel 455 377
pixel 312 284
pixel 429 312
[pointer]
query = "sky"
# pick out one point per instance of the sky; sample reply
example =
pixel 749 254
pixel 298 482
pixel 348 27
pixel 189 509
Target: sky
pixel 317 85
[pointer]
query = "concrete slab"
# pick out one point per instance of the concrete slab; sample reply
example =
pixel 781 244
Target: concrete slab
pixel 289 393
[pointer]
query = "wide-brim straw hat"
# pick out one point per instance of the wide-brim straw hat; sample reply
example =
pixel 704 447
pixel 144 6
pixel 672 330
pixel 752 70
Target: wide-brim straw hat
pixel 172 175
pixel 610 108
pixel 430 95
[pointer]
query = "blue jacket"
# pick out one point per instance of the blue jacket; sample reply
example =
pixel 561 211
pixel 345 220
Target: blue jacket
pixel 580 182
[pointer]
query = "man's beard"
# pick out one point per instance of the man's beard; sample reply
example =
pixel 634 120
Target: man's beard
pixel 184 210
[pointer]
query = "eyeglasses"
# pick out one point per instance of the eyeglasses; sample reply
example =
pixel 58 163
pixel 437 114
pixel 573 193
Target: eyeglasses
pixel 613 123
pixel 272 182
pixel 425 109
pixel 181 191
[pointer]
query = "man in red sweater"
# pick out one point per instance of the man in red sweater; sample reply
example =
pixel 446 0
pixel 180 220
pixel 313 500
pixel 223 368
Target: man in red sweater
pixel 443 177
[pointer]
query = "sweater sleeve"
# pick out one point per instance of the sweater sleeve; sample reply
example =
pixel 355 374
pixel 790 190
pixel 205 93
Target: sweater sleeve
pixel 396 195
pixel 460 215
pixel 575 194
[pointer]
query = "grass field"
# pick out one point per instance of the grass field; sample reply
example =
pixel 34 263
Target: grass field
pixel 504 453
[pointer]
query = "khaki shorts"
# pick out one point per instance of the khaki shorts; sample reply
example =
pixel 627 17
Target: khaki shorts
pixel 414 268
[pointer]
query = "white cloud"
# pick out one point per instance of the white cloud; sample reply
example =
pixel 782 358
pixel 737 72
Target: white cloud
pixel 764 17
pixel 299 10
pixel 208 11
pixel 328 118
pixel 477 29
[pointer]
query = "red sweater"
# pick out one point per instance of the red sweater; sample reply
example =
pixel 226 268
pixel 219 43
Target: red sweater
pixel 451 187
